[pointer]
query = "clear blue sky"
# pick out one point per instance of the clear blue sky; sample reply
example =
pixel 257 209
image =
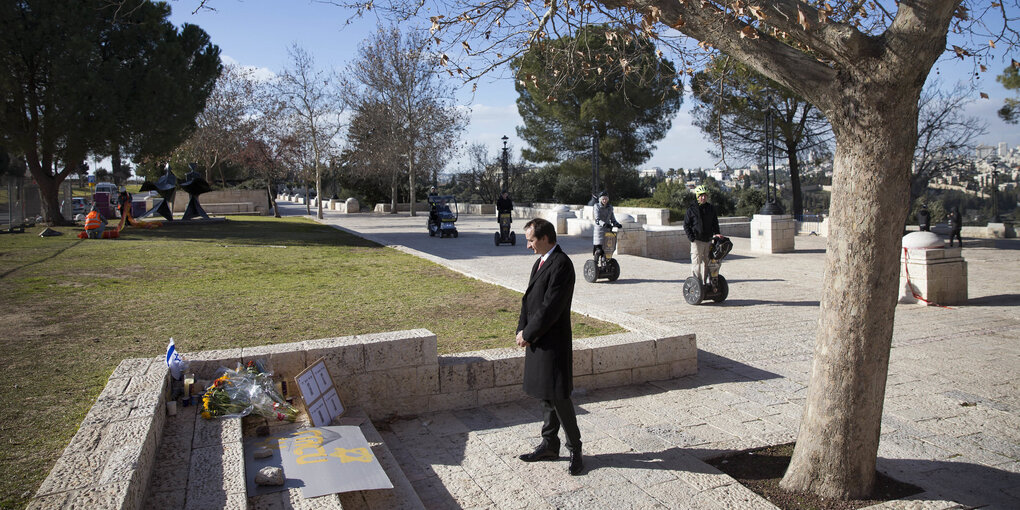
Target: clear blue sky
pixel 257 33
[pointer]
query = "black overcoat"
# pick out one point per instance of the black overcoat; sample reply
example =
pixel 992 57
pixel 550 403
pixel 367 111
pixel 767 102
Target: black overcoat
pixel 545 323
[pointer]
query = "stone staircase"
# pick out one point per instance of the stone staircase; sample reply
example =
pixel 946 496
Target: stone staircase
pixel 200 464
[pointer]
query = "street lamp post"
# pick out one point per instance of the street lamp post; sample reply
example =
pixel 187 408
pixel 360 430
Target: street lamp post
pixel 772 205
pixel 594 160
pixel 995 196
pixel 506 164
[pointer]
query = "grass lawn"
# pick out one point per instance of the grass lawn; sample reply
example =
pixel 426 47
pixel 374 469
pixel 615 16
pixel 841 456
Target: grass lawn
pixel 73 309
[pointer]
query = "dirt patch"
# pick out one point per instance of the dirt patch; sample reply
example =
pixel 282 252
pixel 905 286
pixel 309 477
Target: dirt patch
pixel 762 469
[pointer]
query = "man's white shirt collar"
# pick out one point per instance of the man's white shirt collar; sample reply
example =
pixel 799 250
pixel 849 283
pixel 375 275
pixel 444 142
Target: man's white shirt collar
pixel 546 256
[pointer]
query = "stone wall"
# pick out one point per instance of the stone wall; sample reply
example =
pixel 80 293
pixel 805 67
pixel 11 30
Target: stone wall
pixel 109 460
pixel 227 201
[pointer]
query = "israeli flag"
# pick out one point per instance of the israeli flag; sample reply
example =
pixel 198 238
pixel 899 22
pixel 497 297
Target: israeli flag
pixel 173 360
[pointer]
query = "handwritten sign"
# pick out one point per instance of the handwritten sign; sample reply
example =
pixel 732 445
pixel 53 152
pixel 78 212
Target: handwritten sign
pixel 321 398
pixel 320 460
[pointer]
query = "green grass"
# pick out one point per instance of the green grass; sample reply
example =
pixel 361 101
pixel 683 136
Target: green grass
pixel 72 309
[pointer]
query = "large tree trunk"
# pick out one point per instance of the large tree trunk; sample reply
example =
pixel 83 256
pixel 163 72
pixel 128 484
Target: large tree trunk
pixel 318 191
pixel 394 188
pixel 837 443
pixel 410 180
pixel 49 188
pixel 272 199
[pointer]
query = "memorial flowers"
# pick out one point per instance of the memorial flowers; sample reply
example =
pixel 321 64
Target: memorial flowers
pixel 246 389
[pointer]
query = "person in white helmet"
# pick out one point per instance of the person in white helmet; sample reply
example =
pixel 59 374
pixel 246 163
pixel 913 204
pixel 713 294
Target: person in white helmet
pixel 700 225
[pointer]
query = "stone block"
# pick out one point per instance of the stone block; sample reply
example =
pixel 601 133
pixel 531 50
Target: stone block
pixel 397 406
pixel 73 470
pixel 115 386
pixel 612 379
pixel 206 364
pixel 582 356
pixel 396 349
pixel 343 355
pixel 132 366
pixel 659 372
pixel 464 372
pixel 938 275
pixel 622 351
pixel 772 233
pixel 387 384
pixel 285 360
pixel 683 368
pixel 675 348
pixel 507 366
pixel 451 401
pixel 215 472
pixel 216 431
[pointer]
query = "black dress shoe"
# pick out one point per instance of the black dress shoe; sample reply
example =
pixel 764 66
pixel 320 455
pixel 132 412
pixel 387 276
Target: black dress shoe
pixel 576 464
pixel 543 452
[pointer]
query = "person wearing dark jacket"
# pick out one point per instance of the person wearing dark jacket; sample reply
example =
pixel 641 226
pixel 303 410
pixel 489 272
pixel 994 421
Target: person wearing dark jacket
pixel 924 218
pixel 700 225
pixel 955 226
pixel 543 330
pixel 504 205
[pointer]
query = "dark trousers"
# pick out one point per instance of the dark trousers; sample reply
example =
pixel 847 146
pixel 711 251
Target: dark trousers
pixel 560 413
pixel 956 234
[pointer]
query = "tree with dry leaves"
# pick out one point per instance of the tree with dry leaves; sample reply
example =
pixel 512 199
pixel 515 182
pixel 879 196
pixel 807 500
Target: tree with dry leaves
pixel 313 100
pixel 395 79
pixel 863 64
pixel 946 135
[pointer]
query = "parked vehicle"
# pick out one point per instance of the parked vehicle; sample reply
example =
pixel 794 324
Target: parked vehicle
pixel 78 206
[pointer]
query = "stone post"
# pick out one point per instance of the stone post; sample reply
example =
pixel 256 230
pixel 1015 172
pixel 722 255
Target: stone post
pixel 932 271
pixel 772 233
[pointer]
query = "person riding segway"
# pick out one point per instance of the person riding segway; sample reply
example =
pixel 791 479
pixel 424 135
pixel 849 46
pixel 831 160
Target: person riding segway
pixel 708 247
pixel 504 215
pixel 602 264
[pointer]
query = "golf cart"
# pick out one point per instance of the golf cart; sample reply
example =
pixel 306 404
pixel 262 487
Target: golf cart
pixel 442 215
pixel 603 265
pixel 714 287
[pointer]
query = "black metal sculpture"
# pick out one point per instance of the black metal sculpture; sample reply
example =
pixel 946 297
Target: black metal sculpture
pixel 195 185
pixel 166 186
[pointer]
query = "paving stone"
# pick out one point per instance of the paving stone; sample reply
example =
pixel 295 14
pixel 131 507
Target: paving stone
pixel 168 500
pixel 216 471
pixel 735 496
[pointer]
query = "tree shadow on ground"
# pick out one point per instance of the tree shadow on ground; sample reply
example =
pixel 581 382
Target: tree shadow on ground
pixel 753 302
pixel 249 232
pixel 973 485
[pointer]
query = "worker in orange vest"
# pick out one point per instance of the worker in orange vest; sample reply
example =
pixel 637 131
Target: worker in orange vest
pixel 94 224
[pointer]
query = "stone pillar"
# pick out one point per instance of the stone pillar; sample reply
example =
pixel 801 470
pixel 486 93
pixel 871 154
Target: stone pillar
pixel 558 217
pixel 772 233
pixel 938 275
pixel 1001 230
pixel 351 205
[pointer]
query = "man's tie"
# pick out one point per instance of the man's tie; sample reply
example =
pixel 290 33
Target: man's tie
pixel 540 262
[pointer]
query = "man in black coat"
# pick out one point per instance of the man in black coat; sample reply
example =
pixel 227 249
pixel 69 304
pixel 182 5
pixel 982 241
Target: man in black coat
pixel 543 330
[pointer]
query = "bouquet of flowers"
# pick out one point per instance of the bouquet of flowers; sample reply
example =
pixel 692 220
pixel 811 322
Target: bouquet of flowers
pixel 245 390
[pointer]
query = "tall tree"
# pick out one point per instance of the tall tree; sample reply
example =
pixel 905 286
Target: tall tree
pixel 946 135
pixel 862 64
pixel 160 84
pixel 630 107
pixel 733 101
pixel 398 73
pixel 230 117
pixel 56 59
pixel 314 99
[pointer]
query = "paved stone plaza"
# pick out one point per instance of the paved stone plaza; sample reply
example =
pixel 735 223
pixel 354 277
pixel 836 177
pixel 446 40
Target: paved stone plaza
pixel 952 412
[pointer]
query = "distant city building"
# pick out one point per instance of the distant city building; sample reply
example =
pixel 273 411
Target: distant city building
pixel 653 172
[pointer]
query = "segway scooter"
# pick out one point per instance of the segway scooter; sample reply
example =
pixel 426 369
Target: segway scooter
pixel 715 286
pixel 505 235
pixel 605 266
